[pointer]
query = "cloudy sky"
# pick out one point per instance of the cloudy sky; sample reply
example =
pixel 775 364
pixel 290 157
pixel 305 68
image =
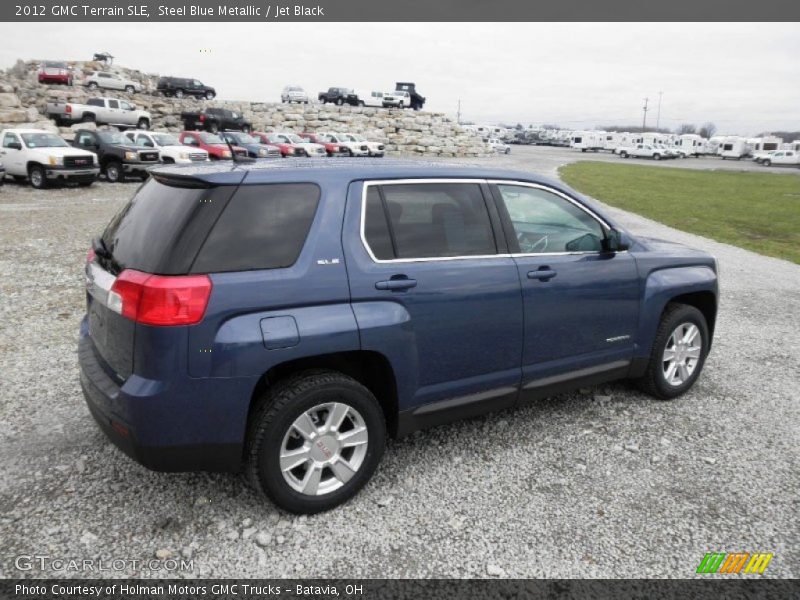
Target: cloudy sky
pixel 743 77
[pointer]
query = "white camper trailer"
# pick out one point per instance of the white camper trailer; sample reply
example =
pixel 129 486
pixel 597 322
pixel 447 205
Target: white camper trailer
pixel 587 140
pixel 713 144
pixel 627 140
pixel 610 140
pixel 735 147
pixel 769 143
pixel 691 144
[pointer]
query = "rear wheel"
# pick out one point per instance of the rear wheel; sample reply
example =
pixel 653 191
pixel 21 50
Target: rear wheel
pixel 143 124
pixel 213 127
pixel 130 89
pixel 339 102
pixel 179 93
pixel 92 85
pixel 87 118
pixel 37 177
pixel 656 157
pixel 623 154
pixel 209 95
pixel 678 354
pixel 314 441
pixel 114 172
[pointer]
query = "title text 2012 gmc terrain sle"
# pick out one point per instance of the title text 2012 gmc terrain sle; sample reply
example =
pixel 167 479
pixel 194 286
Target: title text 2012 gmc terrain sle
pixel 284 319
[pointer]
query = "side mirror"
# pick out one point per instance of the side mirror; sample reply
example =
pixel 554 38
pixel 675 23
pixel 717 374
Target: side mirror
pixel 14 145
pixel 615 241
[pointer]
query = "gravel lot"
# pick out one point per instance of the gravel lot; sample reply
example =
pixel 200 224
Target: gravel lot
pixel 600 483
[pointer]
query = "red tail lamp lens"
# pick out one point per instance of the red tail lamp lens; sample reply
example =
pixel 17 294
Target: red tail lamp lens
pixel 160 300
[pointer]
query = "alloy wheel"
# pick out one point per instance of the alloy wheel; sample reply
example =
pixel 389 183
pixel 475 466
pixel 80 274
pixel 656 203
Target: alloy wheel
pixel 324 448
pixel 682 354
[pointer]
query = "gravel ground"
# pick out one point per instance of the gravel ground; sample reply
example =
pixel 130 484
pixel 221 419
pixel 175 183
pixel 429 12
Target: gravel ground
pixel 600 483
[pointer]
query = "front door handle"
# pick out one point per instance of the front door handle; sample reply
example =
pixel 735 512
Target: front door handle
pixel 396 284
pixel 542 274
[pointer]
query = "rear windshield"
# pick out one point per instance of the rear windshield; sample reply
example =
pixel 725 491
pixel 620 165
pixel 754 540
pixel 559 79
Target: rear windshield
pixel 161 229
pixel 172 230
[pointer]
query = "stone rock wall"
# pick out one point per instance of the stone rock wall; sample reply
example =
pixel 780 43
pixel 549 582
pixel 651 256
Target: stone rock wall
pixel 404 132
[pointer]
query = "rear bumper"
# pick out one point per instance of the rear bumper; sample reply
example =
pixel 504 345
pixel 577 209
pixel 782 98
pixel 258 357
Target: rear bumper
pixel 139 417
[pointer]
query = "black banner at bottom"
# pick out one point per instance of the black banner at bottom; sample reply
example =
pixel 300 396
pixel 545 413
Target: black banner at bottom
pixel 405 589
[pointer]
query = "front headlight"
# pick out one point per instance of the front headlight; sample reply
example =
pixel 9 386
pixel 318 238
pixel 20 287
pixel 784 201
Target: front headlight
pixel 290 151
pixel 262 152
pixel 131 156
pixel 183 156
pixel 56 160
pixel 226 153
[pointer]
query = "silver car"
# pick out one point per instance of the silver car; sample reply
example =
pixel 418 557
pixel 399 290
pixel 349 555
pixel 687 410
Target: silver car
pixel 294 93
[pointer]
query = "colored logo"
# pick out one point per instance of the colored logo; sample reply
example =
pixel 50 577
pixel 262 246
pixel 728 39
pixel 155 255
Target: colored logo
pixel 734 562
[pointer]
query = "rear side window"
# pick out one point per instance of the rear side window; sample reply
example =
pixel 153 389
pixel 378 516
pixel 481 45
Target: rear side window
pixel 263 227
pixel 428 220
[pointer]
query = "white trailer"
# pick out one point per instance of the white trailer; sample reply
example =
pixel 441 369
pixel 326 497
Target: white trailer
pixel 627 140
pixel 588 140
pixel 768 143
pixel 691 144
pixel 735 147
pixel 714 143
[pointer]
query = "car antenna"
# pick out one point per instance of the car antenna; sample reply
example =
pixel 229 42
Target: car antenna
pixel 234 158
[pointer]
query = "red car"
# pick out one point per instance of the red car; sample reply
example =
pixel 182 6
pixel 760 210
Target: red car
pixel 55 72
pixel 216 147
pixel 273 140
pixel 332 148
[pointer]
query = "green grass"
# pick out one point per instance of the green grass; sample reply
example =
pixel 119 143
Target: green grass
pixel 756 211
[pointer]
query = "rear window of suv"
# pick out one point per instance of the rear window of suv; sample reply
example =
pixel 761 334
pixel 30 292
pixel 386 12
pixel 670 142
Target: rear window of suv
pixel 174 230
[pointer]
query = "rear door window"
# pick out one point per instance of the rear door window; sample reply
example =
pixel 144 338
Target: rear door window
pixel 428 220
pixel 263 227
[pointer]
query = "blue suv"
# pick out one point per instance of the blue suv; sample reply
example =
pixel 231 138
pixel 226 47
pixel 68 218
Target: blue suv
pixel 283 318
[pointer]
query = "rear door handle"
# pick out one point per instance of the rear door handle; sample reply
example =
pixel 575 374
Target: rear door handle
pixel 542 274
pixel 396 284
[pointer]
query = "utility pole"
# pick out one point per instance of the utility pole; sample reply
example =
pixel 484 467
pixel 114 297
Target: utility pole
pixel 458 115
pixel 658 114
pixel 644 116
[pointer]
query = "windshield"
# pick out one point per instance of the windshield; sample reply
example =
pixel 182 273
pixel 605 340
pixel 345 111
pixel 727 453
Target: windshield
pixel 359 138
pixel 55 65
pixel 296 139
pixel 163 139
pixel 211 138
pixel 113 137
pixel 275 139
pixel 347 137
pixel 43 140
pixel 294 89
pixel 241 138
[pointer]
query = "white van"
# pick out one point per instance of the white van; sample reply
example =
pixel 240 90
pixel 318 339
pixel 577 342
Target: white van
pixel 366 98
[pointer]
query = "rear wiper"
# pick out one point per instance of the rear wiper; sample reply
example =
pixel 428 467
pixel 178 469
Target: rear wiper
pixel 100 248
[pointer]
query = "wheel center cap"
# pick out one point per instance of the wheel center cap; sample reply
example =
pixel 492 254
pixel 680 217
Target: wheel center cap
pixel 324 448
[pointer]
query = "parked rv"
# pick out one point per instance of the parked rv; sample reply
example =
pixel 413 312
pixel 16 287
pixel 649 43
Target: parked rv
pixel 588 140
pixel 735 147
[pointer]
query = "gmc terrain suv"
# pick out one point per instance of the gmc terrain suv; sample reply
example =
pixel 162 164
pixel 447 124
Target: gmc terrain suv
pixel 283 319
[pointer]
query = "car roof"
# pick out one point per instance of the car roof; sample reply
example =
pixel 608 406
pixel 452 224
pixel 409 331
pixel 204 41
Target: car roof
pixel 340 170
pixel 27 130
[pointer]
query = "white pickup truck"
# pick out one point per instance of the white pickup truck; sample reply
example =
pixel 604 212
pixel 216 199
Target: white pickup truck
pixel 42 157
pixel 643 151
pixel 788 158
pixel 103 111
pixel 169 147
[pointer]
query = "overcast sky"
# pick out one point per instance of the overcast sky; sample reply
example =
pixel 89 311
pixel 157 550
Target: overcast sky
pixel 743 77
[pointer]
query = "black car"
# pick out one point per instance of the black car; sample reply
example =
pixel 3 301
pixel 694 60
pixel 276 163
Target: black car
pixel 214 120
pixel 117 155
pixel 181 86
pixel 339 96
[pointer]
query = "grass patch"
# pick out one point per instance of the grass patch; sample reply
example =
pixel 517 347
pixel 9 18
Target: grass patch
pixel 756 211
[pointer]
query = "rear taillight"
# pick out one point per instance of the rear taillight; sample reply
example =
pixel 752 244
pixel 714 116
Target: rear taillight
pixel 160 300
pixel 202 118
pixel 68 108
pixel 90 255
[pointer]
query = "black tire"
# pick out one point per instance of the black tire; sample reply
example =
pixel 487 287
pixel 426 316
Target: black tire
pixel 92 85
pixel 766 162
pixel 623 154
pixel 656 157
pixel 339 102
pixel 88 118
pixel 179 93
pixel 246 128
pixel 210 95
pixel 653 381
pixel 37 176
pixel 213 127
pixel 273 416
pixel 113 171
pixel 130 89
pixel 143 124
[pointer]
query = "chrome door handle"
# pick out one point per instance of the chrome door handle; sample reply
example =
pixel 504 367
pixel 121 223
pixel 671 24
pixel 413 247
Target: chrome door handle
pixel 542 274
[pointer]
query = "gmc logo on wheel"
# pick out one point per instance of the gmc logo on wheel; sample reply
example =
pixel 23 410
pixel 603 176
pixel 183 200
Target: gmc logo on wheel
pixel 324 449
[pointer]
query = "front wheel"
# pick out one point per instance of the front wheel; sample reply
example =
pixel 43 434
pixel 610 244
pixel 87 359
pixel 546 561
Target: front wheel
pixel 114 172
pixel 623 154
pixel 143 124
pixel 766 162
pixel 92 85
pixel 37 177
pixel 314 441
pixel 213 128
pixel 209 95
pixel 339 102
pixel 656 157
pixel 179 94
pixel 678 354
pixel 129 89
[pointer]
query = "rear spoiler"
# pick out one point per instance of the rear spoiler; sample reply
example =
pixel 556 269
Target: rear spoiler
pixel 190 176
